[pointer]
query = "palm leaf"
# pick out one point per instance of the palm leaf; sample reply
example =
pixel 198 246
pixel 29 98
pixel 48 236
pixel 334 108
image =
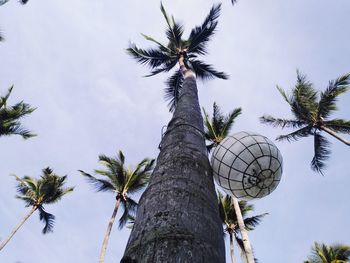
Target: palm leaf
pixel 99 184
pixel 174 31
pixel 251 222
pixel 338 125
pixel 229 121
pixel 322 152
pixel 152 57
pixel 283 123
pixel 327 103
pixel 296 135
pixel 172 92
pixel 47 218
pixel 205 71
pixel 200 35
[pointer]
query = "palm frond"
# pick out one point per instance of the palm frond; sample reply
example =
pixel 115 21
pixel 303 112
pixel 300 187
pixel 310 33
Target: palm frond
pixel 174 31
pixel 210 133
pixel 47 218
pixel 172 92
pixel 205 71
pixel 338 125
pixel 251 222
pixel 167 66
pixel 99 184
pixel 229 121
pixel 23 2
pixel 322 152
pixel 152 57
pixel 296 135
pixel 200 35
pixel 139 178
pixel 233 2
pixel 160 45
pixel 327 103
pixel 129 207
pixel 283 123
pixel 10 117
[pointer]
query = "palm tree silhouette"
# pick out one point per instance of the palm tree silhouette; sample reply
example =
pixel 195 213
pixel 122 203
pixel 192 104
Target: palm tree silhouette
pixel 10 116
pixel 312 113
pixel 123 182
pixel 36 193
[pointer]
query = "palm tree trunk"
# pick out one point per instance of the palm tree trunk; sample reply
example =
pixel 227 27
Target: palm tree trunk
pixel 108 232
pixel 232 249
pixel 178 218
pixel 17 227
pixel 335 135
pixel 246 243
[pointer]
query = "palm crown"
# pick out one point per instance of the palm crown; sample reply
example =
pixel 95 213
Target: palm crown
pixel 229 218
pixel 38 192
pixel 218 127
pixel 178 50
pixel 312 111
pixel 10 116
pixel 322 253
pixel 121 181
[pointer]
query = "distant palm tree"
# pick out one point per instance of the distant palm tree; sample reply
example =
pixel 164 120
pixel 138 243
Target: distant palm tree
pixel 10 116
pixel 230 221
pixel 312 116
pixel 216 130
pixel 38 192
pixel 122 182
pixel 218 127
pixel 322 253
pixel 180 51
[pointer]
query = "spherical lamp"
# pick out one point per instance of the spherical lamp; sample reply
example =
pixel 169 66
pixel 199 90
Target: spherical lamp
pixel 247 165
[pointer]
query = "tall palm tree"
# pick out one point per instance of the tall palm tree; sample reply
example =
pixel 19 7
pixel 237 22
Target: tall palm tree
pixel 322 253
pixel 312 111
pixel 169 225
pixel 123 182
pixel 36 193
pixel 230 221
pixel 218 127
pixel 10 116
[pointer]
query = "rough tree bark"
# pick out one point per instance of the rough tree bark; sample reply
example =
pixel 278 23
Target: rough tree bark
pixel 178 218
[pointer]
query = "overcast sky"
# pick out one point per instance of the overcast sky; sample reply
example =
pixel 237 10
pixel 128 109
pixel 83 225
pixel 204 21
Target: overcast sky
pixel 68 59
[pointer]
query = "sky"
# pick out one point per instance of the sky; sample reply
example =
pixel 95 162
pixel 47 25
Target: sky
pixel 68 59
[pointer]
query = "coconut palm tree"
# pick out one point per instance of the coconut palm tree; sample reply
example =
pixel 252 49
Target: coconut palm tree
pixel 179 51
pixel 230 221
pixel 322 253
pixel 169 224
pixel 36 193
pixel 218 127
pixel 312 111
pixel 10 116
pixel 123 182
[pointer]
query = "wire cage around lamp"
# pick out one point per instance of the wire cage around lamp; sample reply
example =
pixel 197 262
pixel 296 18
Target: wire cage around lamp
pixel 247 165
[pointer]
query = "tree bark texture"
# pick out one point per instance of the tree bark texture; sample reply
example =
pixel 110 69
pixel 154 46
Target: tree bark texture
pixel 178 218
pixel 244 232
pixel 3 244
pixel 108 232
